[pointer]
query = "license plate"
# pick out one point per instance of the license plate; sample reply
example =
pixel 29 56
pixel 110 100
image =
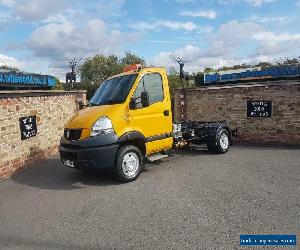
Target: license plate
pixel 69 163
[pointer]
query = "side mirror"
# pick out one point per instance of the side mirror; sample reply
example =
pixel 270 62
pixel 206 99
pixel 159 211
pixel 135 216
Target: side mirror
pixel 145 99
pixel 132 103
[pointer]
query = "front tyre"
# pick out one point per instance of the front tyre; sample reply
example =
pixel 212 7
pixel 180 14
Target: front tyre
pixel 129 163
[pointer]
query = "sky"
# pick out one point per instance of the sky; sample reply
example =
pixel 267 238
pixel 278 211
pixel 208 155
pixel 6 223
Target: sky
pixel 41 36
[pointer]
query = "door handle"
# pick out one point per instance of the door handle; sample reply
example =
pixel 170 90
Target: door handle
pixel 166 113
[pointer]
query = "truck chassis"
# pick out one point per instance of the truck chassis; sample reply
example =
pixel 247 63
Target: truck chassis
pixel 216 135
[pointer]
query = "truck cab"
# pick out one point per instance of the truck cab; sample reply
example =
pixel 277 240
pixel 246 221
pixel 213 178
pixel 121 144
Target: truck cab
pixel 128 118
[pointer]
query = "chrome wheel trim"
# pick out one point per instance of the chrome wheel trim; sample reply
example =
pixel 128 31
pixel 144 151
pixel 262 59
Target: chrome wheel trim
pixel 130 164
pixel 224 141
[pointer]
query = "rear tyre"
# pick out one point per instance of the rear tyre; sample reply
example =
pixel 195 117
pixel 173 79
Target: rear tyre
pixel 129 163
pixel 222 143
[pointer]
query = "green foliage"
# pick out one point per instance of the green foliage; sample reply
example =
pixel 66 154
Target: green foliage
pixel 5 67
pixel 98 68
pixel 208 70
pixel 131 58
pixel 264 64
pixel 199 79
pixel 174 80
pixel 288 61
pixel 235 67
pixel 58 84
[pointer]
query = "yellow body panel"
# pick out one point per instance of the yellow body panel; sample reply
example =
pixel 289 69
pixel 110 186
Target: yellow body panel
pixel 149 121
pixel 86 118
pixel 152 147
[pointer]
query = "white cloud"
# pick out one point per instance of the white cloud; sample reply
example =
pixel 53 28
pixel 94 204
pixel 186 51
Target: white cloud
pixel 259 2
pixel 172 25
pixel 10 61
pixel 211 14
pixel 254 3
pixel 277 37
pixel 38 9
pixel 230 37
pixel 43 10
pixel 60 42
pixel 185 1
pixel 271 43
pixel 64 40
pixel 230 45
pixel 195 59
pixel 157 25
pixel 269 19
pixel 4 17
pixel 56 19
pixel 229 2
pixel 273 49
pixel 107 8
pixel 7 3
pixel 27 64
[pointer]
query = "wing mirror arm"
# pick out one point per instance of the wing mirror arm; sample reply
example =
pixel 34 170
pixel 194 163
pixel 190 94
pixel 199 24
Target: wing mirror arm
pixel 132 103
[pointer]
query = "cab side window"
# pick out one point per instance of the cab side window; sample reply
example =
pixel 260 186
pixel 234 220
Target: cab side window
pixel 152 83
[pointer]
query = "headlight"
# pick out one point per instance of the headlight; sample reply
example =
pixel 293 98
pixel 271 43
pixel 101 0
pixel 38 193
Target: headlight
pixel 102 126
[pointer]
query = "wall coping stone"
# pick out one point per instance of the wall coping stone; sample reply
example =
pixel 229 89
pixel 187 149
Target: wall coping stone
pixel 30 93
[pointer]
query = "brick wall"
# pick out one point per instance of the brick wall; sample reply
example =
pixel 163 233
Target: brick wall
pixel 52 110
pixel 230 103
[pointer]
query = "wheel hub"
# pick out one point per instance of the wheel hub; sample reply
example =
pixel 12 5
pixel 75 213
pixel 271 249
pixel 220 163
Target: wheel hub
pixel 224 142
pixel 130 164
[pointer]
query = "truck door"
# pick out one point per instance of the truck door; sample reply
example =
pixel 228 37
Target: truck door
pixel 154 121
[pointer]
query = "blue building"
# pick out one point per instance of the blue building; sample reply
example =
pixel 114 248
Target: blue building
pixel 10 79
pixel 253 74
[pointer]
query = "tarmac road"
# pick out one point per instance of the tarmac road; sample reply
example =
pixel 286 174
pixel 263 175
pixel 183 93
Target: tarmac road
pixel 191 200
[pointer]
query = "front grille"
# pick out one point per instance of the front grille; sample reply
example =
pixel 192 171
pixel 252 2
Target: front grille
pixel 72 134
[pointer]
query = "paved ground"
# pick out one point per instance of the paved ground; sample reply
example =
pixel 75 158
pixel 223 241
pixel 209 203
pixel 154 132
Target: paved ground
pixel 192 200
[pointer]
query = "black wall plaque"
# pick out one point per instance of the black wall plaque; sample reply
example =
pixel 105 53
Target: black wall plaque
pixel 28 127
pixel 259 109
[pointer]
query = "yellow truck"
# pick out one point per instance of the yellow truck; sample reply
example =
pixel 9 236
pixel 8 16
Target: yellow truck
pixel 129 119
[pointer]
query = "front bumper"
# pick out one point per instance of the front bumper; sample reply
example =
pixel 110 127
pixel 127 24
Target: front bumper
pixel 94 152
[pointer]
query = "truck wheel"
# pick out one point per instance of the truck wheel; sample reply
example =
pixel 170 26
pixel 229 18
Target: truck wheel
pixel 222 142
pixel 129 163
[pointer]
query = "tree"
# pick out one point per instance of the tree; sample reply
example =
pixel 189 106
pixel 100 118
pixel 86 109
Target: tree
pixel 58 84
pixel 99 68
pixel 199 79
pixel 288 61
pixel 174 80
pixel 264 64
pixel 131 58
pixel 208 70
pixel 5 67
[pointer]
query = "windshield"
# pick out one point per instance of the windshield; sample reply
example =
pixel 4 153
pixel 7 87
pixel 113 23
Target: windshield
pixel 113 91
